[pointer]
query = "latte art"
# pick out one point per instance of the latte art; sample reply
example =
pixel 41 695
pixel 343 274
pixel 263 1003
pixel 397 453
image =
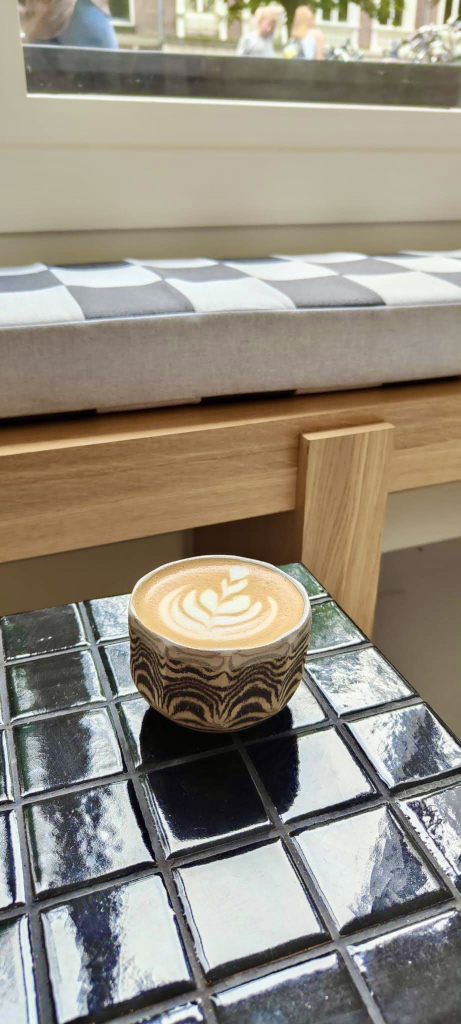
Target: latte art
pixel 219 603
pixel 221 614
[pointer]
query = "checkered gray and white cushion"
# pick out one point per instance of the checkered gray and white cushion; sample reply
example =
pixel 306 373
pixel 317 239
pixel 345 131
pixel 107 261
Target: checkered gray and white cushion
pixel 40 294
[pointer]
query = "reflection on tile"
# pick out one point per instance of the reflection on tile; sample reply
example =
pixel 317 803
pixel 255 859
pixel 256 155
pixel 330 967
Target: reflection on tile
pixel 309 774
pixel 153 738
pixel 80 837
pixel 42 632
pixel 437 819
pixel 357 679
pixel 69 748
pixel 319 991
pixel 52 684
pixel 299 573
pixel 247 908
pixel 116 658
pixel 109 616
pixel 6 792
pixel 113 948
pixel 367 869
pixel 203 802
pixel 407 745
pixel 188 1014
pixel 413 973
pixel 11 880
pixel 302 710
pixel 332 628
pixel 18 1004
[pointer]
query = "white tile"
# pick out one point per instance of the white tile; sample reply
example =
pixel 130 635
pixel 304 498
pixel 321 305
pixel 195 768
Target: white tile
pixel 283 270
pixel 33 268
pixel 104 277
pixel 426 252
pixel 410 289
pixel 434 264
pixel 326 257
pixel 186 264
pixel 224 296
pixel 42 306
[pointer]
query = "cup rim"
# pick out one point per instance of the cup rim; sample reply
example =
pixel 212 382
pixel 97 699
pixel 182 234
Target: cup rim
pixel 223 650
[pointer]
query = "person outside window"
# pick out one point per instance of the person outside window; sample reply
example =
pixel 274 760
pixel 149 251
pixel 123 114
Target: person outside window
pixel 68 23
pixel 260 42
pixel 306 41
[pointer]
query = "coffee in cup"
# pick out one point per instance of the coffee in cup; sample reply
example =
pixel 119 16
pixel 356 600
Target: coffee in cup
pixel 218 642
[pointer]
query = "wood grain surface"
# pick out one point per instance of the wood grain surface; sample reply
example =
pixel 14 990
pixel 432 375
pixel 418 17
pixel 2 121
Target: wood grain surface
pixel 341 505
pixel 91 480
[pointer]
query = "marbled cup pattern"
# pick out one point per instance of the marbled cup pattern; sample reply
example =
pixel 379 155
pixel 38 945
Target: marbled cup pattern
pixel 217 691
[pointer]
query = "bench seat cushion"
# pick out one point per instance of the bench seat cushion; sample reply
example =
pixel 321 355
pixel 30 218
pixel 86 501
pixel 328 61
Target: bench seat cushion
pixel 153 332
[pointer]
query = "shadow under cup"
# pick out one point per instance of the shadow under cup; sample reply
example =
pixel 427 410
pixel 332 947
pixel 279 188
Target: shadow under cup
pixel 217 690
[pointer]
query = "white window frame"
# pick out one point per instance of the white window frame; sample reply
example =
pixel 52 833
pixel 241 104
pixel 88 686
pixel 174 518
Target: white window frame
pixel 100 162
pixel 125 22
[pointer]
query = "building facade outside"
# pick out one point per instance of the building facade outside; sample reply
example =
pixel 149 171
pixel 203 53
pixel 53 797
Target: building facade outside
pixel 205 25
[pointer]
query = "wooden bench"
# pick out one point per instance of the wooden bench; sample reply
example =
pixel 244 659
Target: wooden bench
pixel 324 463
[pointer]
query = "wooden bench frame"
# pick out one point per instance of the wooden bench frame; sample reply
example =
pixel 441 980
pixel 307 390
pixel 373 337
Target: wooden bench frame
pixel 303 477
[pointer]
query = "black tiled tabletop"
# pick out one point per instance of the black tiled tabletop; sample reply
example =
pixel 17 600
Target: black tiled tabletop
pixel 274 913
pixel 72 748
pixel 414 972
pixel 195 807
pixel 52 684
pixel 307 869
pixel 116 658
pixel 320 991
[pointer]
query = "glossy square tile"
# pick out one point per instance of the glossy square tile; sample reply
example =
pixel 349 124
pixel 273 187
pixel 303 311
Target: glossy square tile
pixel 332 628
pixel 153 738
pixel 302 710
pixel 114 949
pixel 367 869
pixel 437 820
pixel 11 880
pixel 52 684
pixel 188 1014
pixel 247 908
pixel 407 745
pixel 109 616
pixel 42 632
pixel 414 972
pixel 204 802
pixel 357 679
pixel 299 573
pixel 71 748
pixel 18 1001
pixel 116 659
pixel 309 774
pixel 6 792
pixel 319 991
pixel 80 837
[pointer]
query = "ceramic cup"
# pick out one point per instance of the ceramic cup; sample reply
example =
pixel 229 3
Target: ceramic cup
pixel 217 690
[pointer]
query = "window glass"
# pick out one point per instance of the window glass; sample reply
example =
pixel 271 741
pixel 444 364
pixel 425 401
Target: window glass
pixel 396 52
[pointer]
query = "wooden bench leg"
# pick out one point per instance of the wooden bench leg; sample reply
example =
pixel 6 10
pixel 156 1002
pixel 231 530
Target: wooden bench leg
pixel 341 504
pixel 337 527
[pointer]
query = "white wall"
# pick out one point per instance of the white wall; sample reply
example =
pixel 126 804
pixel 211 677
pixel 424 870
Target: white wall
pixel 418 622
